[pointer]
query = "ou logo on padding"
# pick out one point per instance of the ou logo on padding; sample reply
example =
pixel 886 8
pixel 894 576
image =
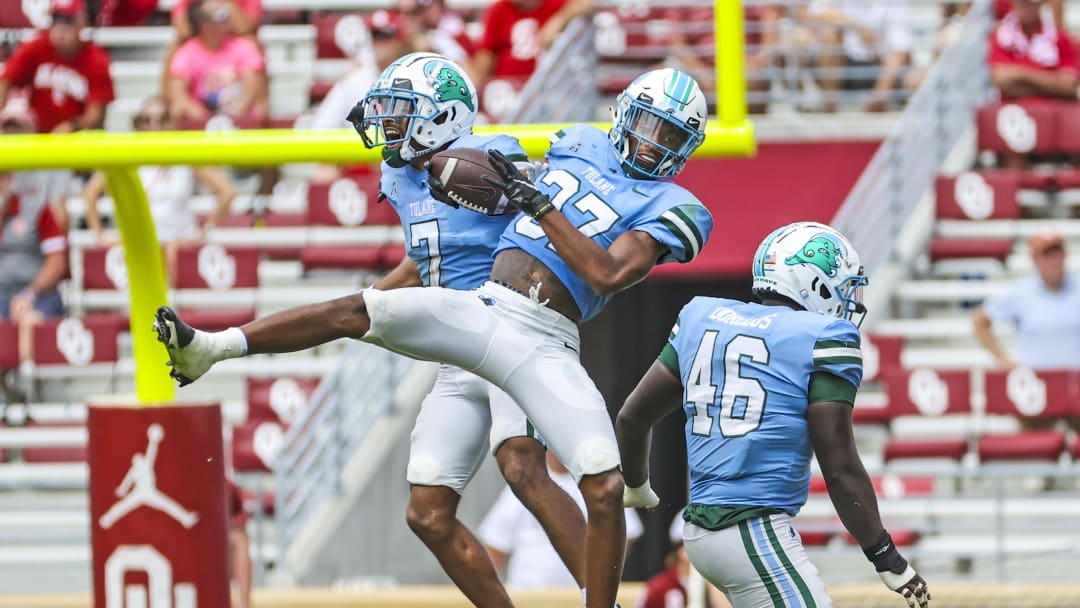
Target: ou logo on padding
pixel 38 12
pixel 267 441
pixel 74 341
pixel 1026 391
pixel 286 399
pixel 1016 127
pixel 116 266
pixel 217 267
pixel 351 36
pixel 158 592
pixel 928 392
pixel 974 196
pixel 348 203
pixel 871 359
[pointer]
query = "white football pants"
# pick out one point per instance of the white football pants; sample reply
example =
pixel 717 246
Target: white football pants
pixel 521 346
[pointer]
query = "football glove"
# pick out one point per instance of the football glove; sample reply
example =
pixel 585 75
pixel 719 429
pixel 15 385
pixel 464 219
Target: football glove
pixel 641 497
pixel 519 191
pixel 897 573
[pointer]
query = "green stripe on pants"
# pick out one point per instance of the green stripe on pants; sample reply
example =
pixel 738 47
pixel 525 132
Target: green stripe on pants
pixel 808 598
pixel 763 573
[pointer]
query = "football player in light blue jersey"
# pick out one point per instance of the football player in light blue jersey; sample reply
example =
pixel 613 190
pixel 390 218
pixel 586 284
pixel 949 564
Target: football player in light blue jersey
pixel 610 184
pixel 452 248
pixel 764 387
pixel 519 329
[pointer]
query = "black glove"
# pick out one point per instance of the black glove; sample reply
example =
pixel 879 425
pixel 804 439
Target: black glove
pixel 519 191
pixel 435 186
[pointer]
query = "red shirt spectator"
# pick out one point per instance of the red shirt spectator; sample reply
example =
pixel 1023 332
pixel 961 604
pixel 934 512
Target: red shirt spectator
pixel 124 12
pixel 512 34
pixel 1030 56
pixel 68 78
pixel 665 590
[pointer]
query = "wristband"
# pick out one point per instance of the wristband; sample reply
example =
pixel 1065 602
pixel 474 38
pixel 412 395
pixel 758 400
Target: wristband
pixel 884 555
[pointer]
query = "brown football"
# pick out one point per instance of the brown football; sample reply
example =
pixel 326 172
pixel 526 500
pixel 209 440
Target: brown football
pixel 461 171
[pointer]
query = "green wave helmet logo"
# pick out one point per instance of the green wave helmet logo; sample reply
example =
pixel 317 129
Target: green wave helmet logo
pixel 449 84
pixel 821 251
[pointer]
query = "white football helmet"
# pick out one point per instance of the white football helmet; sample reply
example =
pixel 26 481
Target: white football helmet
pixel 658 122
pixel 813 265
pixel 420 103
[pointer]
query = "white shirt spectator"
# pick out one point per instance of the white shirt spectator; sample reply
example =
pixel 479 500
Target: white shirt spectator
pixel 888 19
pixel 510 528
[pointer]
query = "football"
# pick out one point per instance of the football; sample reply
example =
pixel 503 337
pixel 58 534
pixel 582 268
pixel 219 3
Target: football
pixel 461 172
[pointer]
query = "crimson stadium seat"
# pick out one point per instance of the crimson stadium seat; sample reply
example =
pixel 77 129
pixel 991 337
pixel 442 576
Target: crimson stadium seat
pixel 278 399
pixel 352 200
pixel 216 267
pixel 964 248
pixel 1026 126
pixel 255 445
pixel 927 392
pixel 881 354
pixel 1030 395
pixel 53 453
pixel 9 343
pixel 75 342
pixel 1069 115
pixel 978 195
pixel 338 35
pixel 13 14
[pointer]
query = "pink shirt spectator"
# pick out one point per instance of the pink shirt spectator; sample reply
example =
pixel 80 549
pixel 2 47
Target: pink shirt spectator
pixel 215 76
pixel 252 8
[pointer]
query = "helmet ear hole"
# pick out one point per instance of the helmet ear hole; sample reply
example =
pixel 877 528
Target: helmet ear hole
pixel 823 291
pixel 440 118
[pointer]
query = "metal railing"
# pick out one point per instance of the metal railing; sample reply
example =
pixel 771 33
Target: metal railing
pixel 342 411
pixel 567 67
pixel 904 167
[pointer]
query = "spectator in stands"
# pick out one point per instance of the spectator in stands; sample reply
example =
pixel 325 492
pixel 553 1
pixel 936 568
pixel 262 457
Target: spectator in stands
pixel 668 589
pixel 217 71
pixel 68 78
pixel 124 13
pixel 518 545
pixel 691 39
pixel 239 544
pixel 429 27
pixel 379 46
pixel 169 190
pixel 1045 310
pixel 1031 56
pixel 515 31
pixel 868 34
pixel 33 245
pixel 1002 8
pixel 244 17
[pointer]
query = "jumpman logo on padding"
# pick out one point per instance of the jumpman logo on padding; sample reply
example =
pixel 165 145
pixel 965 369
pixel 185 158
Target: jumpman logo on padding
pixel 139 488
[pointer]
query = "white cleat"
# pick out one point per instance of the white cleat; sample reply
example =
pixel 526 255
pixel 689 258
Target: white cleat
pixel 189 356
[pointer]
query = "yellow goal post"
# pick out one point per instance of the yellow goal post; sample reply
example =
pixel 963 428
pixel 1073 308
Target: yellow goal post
pixel 729 134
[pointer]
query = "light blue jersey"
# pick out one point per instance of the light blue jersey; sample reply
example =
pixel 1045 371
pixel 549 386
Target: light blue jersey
pixel 586 181
pixel 746 372
pixel 451 247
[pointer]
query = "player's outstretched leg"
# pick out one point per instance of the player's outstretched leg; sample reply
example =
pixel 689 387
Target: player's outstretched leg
pixel 432 516
pixel 192 351
pixel 522 464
